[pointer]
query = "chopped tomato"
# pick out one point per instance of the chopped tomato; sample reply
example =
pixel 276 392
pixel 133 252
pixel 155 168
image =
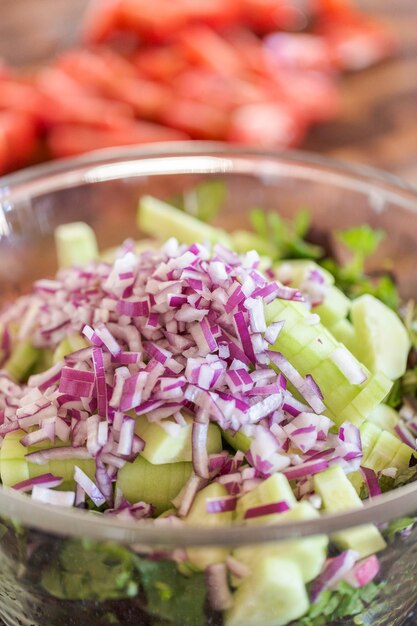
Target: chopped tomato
pixel 300 51
pixel 357 42
pixel 71 139
pixel 269 124
pixel 203 46
pixel 198 119
pixel 269 15
pixel 18 137
pixel 161 63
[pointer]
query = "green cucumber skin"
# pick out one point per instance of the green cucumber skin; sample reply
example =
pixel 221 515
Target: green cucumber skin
pixel 23 358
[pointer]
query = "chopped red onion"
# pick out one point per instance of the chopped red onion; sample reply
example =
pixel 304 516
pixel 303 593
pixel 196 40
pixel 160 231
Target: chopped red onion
pixel 371 480
pixel 218 592
pixel 221 505
pixel 266 509
pixel 49 496
pixel 334 571
pixel 348 365
pixel 405 435
pixel 49 481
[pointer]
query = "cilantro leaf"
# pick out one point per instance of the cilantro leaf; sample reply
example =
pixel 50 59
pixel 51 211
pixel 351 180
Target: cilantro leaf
pixel 203 201
pixel 87 571
pixel 361 240
pixel 170 595
pixel 342 603
pixel 285 238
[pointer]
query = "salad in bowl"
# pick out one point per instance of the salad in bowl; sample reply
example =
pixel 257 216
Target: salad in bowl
pixel 242 381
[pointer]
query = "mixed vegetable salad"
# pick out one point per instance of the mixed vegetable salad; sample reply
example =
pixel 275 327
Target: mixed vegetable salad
pixel 246 71
pixel 205 378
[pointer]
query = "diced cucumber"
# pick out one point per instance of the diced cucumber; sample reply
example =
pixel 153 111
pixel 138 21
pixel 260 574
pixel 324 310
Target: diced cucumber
pixel 383 452
pixel 334 308
pixel 198 516
pixel 315 352
pixel 370 395
pixel 13 472
pixel 161 220
pixel 76 244
pixel 238 440
pixel 338 494
pixel 273 594
pixel 382 339
pixel 365 540
pixel 68 345
pixel 43 363
pixel 341 396
pixel 289 311
pixel 22 360
pixel 344 332
pixel 293 338
pixel 309 553
pixel 300 269
pixel 156 484
pixel 402 459
pixel 369 436
pixel 173 445
pixel 14 465
pixel 385 417
pixel 276 488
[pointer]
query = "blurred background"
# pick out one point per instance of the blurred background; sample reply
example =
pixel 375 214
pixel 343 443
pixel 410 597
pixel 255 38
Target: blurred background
pixel 335 76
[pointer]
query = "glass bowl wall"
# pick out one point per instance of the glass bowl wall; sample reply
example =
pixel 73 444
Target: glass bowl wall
pixel 36 542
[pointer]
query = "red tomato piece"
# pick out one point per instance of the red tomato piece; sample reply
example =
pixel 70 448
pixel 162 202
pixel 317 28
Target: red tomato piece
pixel 162 63
pixel 198 119
pixel 357 42
pixel 269 15
pixel 21 97
pixel 152 21
pixel 266 125
pixel 216 13
pixel 220 91
pixel 297 51
pixel 71 139
pixel 101 19
pixel 19 135
pixel 203 46
pixel 67 101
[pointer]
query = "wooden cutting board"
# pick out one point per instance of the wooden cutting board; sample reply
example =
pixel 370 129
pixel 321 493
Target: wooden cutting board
pixel 378 121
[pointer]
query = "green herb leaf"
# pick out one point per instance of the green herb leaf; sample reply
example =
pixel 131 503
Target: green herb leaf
pixel 362 240
pixel 89 571
pixel 203 201
pixel 284 238
pixel 398 526
pixel 170 595
pixel 343 603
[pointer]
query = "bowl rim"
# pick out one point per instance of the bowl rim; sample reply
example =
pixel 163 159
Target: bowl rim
pixel 101 165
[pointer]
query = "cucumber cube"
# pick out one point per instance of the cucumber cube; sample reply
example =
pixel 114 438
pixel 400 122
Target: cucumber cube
pixel 76 244
pixel 338 494
pixel 385 417
pixel 383 342
pixel 309 553
pixel 343 331
pixel 22 359
pixel 238 441
pixel 276 488
pixel 273 594
pixel 334 308
pixel 289 311
pixel 165 446
pixel 383 452
pixel 156 484
pixel 369 436
pixel 402 458
pixel 161 220
pixel 198 516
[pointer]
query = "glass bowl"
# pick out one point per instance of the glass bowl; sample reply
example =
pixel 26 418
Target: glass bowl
pixel 63 567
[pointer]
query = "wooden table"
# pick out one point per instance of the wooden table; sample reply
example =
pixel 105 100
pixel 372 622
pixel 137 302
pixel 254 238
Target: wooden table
pixel 378 121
